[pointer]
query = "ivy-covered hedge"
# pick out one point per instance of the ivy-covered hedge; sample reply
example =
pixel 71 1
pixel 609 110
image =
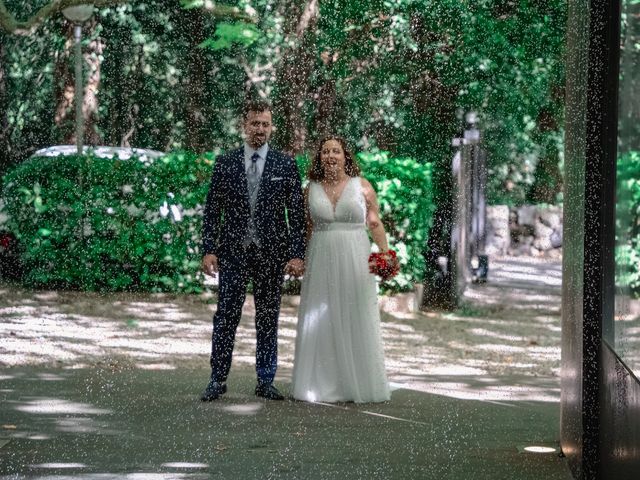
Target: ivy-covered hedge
pixel 405 195
pixel 109 225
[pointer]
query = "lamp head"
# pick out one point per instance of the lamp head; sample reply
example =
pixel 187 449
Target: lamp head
pixel 78 13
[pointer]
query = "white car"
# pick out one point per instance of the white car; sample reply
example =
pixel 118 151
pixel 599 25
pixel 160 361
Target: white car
pixel 123 153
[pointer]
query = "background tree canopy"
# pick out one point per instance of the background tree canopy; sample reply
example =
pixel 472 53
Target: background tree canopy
pixel 395 75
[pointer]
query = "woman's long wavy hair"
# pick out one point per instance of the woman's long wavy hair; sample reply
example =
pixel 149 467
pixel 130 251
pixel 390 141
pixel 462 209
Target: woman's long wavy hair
pixel 316 170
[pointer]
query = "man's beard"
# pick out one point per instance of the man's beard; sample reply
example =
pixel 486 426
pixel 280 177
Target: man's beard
pixel 259 141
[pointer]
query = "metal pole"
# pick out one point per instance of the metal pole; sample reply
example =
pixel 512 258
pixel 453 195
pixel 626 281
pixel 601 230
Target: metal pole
pixel 463 219
pixel 79 90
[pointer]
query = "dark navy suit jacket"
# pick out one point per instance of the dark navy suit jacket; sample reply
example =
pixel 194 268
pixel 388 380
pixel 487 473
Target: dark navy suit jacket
pixel 279 212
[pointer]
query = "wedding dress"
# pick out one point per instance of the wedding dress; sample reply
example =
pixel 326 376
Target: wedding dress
pixel 339 355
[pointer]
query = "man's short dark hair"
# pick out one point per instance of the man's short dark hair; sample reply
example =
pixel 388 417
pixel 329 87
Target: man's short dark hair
pixel 255 106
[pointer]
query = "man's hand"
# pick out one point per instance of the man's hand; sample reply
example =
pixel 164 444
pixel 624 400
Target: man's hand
pixel 294 267
pixel 210 264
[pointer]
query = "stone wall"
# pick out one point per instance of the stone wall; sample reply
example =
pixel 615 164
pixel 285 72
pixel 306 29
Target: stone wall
pixel 527 230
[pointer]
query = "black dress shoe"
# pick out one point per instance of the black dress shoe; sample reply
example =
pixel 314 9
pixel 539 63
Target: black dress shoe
pixel 213 391
pixel 268 391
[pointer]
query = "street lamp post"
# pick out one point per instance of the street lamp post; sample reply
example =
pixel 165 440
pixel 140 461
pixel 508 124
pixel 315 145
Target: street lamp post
pixel 477 185
pixel 78 15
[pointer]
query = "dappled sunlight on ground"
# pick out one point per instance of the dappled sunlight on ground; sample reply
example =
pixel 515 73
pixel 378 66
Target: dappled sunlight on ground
pixel 55 467
pixel 509 326
pixel 76 329
pixel 484 388
pixel 49 406
pixel 108 387
pixel 106 422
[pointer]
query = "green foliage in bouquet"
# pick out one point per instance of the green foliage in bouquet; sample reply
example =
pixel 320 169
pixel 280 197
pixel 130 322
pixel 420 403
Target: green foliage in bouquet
pixel 99 224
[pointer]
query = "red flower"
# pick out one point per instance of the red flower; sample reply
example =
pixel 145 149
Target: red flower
pixel 6 239
pixel 384 264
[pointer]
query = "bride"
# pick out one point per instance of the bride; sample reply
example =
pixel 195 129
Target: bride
pixel 339 355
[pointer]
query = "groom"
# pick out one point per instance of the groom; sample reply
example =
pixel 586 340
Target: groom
pixel 252 230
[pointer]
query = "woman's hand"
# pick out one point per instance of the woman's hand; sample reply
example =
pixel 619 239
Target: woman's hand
pixel 294 267
pixel 210 264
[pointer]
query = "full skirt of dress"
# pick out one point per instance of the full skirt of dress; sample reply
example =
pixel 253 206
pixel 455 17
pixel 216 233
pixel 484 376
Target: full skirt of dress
pixel 339 354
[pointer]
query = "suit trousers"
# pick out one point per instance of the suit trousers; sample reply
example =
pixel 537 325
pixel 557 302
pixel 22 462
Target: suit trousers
pixel 266 275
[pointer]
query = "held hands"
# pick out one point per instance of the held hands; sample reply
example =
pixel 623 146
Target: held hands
pixel 294 267
pixel 210 265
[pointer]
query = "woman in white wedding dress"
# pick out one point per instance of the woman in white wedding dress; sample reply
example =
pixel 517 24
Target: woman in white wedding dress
pixel 339 355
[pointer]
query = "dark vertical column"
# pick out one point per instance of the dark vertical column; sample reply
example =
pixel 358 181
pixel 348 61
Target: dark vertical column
pixel 600 174
pixel 619 435
pixel 601 154
pixel 571 428
pixel 588 265
pixel 619 419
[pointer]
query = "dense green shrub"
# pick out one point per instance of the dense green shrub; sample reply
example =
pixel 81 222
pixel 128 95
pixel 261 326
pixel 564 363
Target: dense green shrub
pixel 628 222
pixel 406 204
pixel 108 225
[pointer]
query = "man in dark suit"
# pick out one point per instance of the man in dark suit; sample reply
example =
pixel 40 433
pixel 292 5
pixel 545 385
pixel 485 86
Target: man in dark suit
pixel 252 230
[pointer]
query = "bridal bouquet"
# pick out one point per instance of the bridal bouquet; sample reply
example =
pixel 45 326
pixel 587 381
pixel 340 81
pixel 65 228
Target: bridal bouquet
pixel 384 264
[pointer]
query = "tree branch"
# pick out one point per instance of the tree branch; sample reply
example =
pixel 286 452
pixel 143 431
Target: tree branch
pixel 9 23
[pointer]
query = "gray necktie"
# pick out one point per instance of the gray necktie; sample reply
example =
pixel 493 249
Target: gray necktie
pixel 253 180
pixel 253 176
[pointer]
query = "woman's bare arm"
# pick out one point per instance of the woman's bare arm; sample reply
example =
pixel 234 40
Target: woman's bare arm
pixel 374 223
pixel 307 215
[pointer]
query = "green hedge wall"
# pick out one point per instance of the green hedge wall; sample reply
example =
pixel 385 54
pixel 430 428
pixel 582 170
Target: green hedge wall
pixel 108 225
pixel 405 196
pixel 98 224
pixel 628 222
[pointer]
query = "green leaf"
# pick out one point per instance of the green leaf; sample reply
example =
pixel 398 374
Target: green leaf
pixel 39 206
pixel 228 34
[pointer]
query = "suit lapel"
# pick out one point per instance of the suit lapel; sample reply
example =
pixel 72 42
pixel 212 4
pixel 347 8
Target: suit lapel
pixel 266 176
pixel 243 186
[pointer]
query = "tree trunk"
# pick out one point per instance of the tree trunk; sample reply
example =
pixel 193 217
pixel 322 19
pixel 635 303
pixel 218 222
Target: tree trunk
pixel 547 178
pixel 92 65
pixel 325 99
pixel 434 100
pixel 5 145
pixel 65 89
pixel 630 82
pixel 293 74
pixel 194 87
pixel 65 120
pixel 117 46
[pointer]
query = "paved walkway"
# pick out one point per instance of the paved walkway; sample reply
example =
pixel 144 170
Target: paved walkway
pixel 98 387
